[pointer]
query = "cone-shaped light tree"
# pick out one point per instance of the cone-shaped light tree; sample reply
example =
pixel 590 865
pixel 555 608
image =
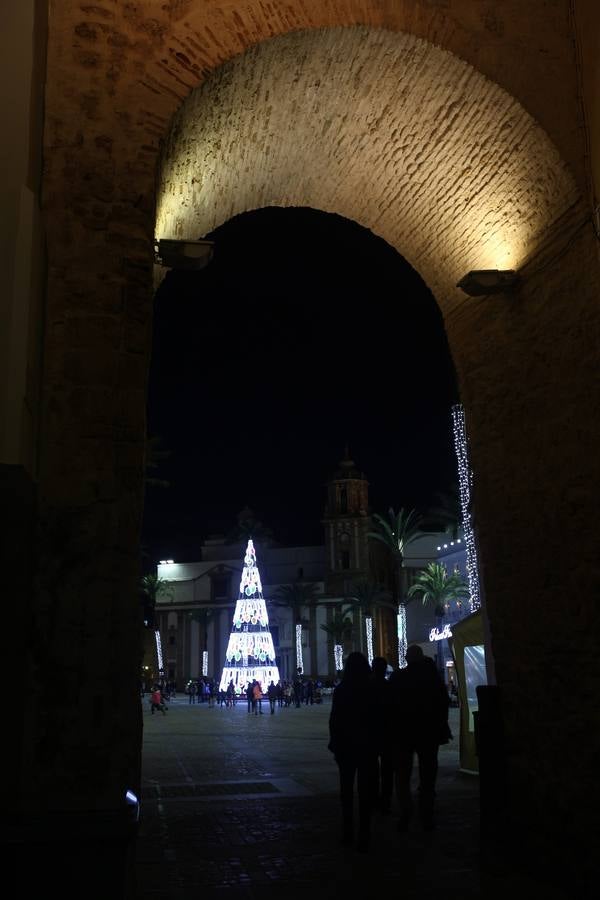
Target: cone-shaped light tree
pixel 250 653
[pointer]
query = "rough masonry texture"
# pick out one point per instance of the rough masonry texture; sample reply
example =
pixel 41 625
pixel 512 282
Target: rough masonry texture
pixel 454 130
pixel 380 127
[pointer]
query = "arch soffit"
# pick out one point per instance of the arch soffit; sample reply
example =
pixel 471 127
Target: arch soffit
pixel 379 126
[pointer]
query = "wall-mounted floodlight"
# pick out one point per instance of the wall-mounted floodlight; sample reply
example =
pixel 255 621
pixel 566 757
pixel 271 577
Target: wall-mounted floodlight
pixel 480 282
pixel 193 255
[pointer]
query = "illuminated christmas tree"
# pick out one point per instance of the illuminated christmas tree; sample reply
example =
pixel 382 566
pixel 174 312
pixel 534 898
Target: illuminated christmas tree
pixel 250 653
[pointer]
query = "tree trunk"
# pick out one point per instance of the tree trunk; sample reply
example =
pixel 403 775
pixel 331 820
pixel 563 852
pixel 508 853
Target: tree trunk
pixel 369 637
pixel 439 624
pixel 299 663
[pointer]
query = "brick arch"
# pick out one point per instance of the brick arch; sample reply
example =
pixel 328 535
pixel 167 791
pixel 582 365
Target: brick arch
pixel 116 75
pixel 378 126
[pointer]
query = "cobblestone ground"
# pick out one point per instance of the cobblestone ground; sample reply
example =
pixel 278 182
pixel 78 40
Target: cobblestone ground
pixel 242 806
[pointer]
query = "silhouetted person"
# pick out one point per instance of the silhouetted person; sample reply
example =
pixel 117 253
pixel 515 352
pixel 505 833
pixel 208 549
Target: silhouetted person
pixel 382 705
pixel 421 703
pixel 353 744
pixel 298 688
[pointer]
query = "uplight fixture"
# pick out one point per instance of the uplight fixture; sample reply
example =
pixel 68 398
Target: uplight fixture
pixel 183 254
pixel 481 282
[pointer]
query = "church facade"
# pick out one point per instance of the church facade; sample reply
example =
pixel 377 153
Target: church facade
pixel 194 617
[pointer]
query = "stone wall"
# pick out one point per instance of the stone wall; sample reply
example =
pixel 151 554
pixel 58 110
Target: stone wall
pixel 527 371
pixel 527 367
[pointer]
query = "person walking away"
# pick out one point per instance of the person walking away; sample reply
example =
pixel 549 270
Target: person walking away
pixel 382 705
pixel 298 690
pixel 353 746
pixel 309 692
pixel 272 695
pixel 250 696
pixel 421 707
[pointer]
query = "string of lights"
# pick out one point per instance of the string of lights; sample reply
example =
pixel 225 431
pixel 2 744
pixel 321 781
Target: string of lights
pixel 369 630
pixel 299 660
pixel 402 643
pixel 247 644
pixel 159 655
pixel 465 482
pixel 338 655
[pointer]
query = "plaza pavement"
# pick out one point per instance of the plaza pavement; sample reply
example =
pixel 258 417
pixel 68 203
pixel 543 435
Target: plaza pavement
pixel 246 807
pixel 241 806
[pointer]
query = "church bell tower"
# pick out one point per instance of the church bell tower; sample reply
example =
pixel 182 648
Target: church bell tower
pixel 346 522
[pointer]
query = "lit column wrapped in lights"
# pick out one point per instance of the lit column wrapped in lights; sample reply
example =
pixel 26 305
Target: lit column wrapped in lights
pixel 205 662
pixel 401 620
pixel 369 630
pixel 465 482
pixel 299 663
pixel 338 655
pixel 159 655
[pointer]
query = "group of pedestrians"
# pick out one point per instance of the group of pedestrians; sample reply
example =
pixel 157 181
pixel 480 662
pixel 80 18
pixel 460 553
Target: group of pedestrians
pixel 201 691
pixel 376 728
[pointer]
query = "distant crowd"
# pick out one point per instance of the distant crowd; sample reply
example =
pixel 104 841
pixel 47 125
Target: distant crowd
pixel 295 693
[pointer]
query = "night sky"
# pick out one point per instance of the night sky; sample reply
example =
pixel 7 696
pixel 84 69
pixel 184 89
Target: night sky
pixel 305 332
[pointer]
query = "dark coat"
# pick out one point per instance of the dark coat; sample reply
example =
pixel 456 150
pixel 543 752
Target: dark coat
pixel 351 730
pixel 383 713
pixel 421 703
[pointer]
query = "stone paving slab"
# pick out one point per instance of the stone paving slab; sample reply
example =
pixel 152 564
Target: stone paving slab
pixel 247 806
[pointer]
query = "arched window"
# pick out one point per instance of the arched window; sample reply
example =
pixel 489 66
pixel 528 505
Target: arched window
pixel 345 551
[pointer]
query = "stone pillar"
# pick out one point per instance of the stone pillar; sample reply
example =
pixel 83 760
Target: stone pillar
pixel 528 371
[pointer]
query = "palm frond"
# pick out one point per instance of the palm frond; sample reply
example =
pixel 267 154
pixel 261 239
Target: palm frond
pixel 435 585
pixel 398 531
pixel 366 594
pixel 297 595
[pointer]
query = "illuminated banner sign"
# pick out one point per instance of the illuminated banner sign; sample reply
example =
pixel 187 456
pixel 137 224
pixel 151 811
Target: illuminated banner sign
pixel 436 635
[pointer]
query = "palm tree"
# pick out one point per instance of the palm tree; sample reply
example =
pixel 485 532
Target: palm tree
pixel 248 528
pixel 296 596
pixel 153 587
pixel 437 587
pixel 396 533
pixel 446 511
pixel 366 595
pixel 339 630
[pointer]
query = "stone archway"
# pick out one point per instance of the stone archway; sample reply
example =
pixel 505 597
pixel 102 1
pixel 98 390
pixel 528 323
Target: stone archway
pixel 527 367
pixel 380 127
pixel 410 141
